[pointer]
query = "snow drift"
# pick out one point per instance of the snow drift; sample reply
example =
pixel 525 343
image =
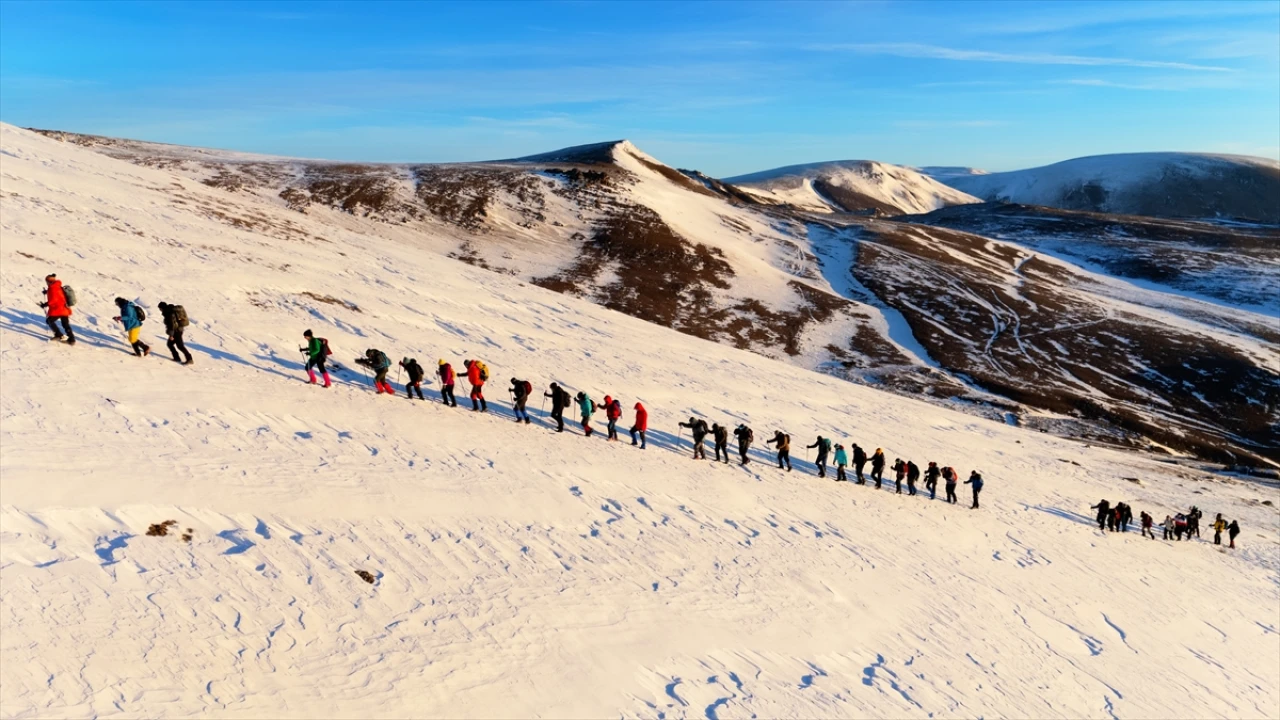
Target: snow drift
pixel 517 572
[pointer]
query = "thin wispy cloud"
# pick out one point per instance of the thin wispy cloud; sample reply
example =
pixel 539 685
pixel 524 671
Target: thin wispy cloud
pixel 938 52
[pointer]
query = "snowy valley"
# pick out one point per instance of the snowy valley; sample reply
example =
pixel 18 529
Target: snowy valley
pixel 518 572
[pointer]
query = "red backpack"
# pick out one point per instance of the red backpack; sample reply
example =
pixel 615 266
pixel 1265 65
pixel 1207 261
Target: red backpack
pixel 528 388
pixel 324 347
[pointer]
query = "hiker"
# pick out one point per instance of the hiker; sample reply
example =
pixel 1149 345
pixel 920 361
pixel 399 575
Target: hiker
pixel 1168 527
pixel 900 474
pixel 587 407
pixel 416 373
pixel 877 467
pixel 447 379
pixel 1193 522
pixel 1180 527
pixel 783 442
pixel 859 461
pixel 745 438
pixel 1232 531
pixel 1146 520
pixel 824 447
pixel 1126 517
pixel 699 429
pixel 175 324
pixel 317 352
pixel 720 434
pixel 379 363
pixel 913 474
pixel 520 392
pixel 57 308
pixel 559 401
pixel 931 480
pixel 949 474
pixel 842 459
pixel 641 425
pixel 975 479
pixel 131 317
pixel 612 411
pixel 1218 526
pixel 1104 511
pixel 477 374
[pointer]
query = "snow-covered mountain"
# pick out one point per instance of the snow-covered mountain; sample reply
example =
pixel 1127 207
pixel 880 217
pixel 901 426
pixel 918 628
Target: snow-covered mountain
pixel 851 186
pixel 516 571
pixel 1002 323
pixel 1168 184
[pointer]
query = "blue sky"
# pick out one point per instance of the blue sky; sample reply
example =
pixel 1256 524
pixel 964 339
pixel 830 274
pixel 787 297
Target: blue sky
pixel 724 87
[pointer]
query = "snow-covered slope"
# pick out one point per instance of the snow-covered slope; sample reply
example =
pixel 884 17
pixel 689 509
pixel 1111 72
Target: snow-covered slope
pixel 1169 184
pixel 519 572
pixel 824 290
pixel 856 186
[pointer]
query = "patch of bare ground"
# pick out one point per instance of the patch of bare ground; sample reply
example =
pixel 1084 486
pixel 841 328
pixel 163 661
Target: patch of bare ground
pixel 362 190
pixel 465 195
pixel 853 202
pixel 331 300
pixel 1042 343
pixel 160 529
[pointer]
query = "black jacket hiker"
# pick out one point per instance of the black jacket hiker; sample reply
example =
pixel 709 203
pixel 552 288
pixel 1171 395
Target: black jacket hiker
pixel 520 391
pixel 175 325
pixel 745 437
pixel 700 430
pixel 859 462
pixel 416 373
pixel 559 401
pixel 720 434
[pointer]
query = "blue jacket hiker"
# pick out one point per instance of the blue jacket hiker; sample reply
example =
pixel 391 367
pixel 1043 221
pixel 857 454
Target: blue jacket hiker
pixel 131 317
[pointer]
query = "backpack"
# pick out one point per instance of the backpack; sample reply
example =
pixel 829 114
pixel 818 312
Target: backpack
pixel 484 371
pixel 324 348
pixel 751 435
pixel 528 388
pixel 615 409
pixel 70 294
pixel 180 316
pixel 142 314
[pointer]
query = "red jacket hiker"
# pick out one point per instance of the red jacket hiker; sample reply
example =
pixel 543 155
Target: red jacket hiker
pixel 56 300
pixel 477 382
pixel 642 424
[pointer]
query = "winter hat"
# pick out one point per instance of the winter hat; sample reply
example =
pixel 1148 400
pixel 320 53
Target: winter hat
pixel 163 306
pixel 50 277
pixel 306 333
pixel 638 406
pixel 442 361
pixel 554 385
pixel 607 399
pixel 514 381
pixel 121 301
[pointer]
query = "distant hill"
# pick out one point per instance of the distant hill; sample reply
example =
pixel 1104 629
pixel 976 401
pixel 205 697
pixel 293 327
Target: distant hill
pixel 853 186
pixel 1170 185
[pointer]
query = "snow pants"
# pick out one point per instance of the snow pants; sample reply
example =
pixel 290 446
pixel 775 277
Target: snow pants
pixel 857 467
pixel 743 447
pixel 477 398
pixel 175 344
pixel 784 456
pixel 518 407
pixel 821 462
pixel 66 327
pixel 637 431
pixel 699 450
pixel 840 476
pixel 413 386
pixel 951 493
pixel 975 496
pixel 613 428
pixel 139 348
pixel 446 395
pixel 722 447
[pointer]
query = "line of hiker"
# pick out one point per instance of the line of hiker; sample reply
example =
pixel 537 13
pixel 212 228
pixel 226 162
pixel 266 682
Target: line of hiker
pixel 59 299
pixel 1116 518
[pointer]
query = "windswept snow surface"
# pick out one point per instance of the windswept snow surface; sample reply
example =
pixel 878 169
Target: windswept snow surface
pixel 852 185
pixel 519 572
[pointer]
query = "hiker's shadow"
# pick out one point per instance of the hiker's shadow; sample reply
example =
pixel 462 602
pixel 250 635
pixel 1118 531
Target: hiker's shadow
pixel 1065 514
pixel 34 325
